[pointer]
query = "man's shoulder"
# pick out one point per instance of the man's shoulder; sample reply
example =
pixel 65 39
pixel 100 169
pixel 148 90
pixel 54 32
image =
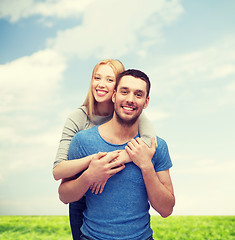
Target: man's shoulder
pixel 87 132
pixel 92 130
pixel 161 159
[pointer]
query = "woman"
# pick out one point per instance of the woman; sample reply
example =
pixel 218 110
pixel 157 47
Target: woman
pixel 97 109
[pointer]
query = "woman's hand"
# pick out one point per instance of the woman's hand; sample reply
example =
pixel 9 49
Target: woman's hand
pixel 105 165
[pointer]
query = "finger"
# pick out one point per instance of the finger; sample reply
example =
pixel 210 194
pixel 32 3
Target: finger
pixel 117 151
pixel 153 143
pixel 101 154
pixel 116 163
pixel 130 145
pixel 116 170
pixel 102 187
pixel 93 188
pixel 134 142
pixel 97 189
pixel 110 157
pixel 129 151
pixel 139 140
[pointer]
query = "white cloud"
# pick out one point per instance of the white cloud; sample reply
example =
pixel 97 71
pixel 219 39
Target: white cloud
pixel 227 95
pixel 155 114
pixel 201 165
pixel 114 28
pixel 18 9
pixel 197 180
pixel 28 91
pixel 213 63
pixel 29 81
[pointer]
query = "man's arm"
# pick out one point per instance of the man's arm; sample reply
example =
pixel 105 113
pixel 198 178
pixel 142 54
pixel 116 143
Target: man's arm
pixel 99 170
pixel 158 184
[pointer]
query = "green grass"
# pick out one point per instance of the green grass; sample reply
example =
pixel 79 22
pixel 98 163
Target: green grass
pixel 194 228
pixel 171 228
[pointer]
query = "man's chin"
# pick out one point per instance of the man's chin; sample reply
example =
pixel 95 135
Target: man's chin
pixel 127 121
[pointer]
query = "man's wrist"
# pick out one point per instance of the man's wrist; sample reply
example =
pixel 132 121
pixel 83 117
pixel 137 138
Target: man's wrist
pixel 147 167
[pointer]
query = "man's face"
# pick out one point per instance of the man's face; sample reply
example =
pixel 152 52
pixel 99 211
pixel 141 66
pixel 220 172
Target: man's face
pixel 130 99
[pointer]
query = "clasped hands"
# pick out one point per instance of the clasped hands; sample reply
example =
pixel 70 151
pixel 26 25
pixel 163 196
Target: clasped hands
pixel 104 165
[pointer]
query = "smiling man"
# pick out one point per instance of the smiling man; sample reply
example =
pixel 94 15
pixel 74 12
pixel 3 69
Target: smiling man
pixel 122 210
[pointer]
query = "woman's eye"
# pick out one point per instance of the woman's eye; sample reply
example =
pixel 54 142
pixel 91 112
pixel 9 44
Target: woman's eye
pixel 110 80
pixel 96 78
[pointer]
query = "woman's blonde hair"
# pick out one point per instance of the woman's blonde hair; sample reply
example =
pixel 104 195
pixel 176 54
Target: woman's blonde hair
pixel 90 101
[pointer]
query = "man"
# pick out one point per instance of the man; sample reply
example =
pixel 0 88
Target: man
pixel 121 211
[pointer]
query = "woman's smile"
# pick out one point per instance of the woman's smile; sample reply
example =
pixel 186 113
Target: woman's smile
pixel 101 93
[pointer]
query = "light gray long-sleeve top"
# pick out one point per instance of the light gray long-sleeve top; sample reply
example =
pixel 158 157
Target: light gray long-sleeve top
pixel 79 120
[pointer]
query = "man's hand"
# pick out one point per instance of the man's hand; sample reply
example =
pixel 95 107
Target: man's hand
pixel 140 153
pixel 102 167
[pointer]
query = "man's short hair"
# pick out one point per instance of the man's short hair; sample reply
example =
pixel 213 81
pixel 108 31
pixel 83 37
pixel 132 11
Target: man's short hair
pixel 137 74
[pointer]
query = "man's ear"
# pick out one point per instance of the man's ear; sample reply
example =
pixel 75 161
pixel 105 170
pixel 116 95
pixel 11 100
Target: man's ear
pixel 146 102
pixel 114 96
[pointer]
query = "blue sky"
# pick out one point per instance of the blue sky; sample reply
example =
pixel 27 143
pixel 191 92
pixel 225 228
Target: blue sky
pixel 47 52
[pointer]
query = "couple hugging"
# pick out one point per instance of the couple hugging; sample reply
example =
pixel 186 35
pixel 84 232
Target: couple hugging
pixel 117 165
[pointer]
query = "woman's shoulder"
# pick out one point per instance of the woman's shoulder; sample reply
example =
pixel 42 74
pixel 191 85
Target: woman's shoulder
pixel 77 119
pixel 80 112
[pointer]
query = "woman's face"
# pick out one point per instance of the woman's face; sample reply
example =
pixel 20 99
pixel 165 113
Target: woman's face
pixel 103 83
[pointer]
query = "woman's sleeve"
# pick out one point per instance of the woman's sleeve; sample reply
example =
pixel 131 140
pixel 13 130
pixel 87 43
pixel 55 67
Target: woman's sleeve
pixel 74 123
pixel 146 129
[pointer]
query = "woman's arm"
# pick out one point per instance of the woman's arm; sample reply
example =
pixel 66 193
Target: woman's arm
pixel 66 169
pixel 146 129
pixel 63 168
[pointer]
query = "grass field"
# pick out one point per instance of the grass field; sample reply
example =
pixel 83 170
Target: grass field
pixel 171 228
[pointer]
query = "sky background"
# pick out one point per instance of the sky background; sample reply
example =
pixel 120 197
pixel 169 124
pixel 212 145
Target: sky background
pixel 47 53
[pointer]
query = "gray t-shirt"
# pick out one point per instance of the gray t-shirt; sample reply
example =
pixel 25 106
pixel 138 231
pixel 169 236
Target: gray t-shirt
pixel 79 120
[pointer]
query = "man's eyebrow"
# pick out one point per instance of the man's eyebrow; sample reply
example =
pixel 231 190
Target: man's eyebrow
pixel 139 91
pixel 123 87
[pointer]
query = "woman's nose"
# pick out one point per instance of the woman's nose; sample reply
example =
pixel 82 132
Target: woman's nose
pixel 101 83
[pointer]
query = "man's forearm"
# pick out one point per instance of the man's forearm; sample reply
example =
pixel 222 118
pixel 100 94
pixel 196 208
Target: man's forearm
pixel 99 170
pixel 160 194
pixel 73 190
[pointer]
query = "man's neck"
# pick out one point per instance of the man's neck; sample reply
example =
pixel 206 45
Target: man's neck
pixel 104 109
pixel 116 133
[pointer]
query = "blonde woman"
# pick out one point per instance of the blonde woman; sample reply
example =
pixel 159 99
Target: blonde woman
pixel 96 109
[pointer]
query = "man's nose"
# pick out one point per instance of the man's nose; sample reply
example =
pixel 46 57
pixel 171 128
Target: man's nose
pixel 130 98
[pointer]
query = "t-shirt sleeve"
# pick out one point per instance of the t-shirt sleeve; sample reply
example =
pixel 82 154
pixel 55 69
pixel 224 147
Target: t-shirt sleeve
pixel 146 129
pixel 161 158
pixel 74 123
pixel 73 151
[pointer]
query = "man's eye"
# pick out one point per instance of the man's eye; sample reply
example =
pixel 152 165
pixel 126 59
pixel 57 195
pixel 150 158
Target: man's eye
pixel 110 80
pixel 97 78
pixel 124 92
